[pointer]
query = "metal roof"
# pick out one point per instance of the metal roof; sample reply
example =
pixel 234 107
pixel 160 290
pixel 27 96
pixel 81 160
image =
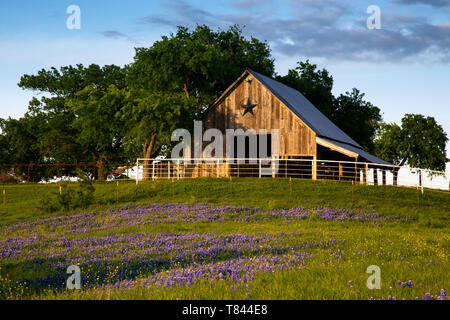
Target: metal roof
pixel 305 110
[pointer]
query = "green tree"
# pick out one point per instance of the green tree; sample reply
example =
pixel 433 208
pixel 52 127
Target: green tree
pixel 100 130
pixel 358 118
pixel 80 107
pixel 201 63
pixel 150 118
pixel 69 80
pixel 21 145
pixel 419 142
pixel 314 84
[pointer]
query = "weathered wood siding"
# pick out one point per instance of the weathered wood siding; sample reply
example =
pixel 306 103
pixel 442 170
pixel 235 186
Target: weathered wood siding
pixel 296 138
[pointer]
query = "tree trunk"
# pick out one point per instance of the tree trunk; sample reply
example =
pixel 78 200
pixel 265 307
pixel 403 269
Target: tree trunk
pixel 100 174
pixel 186 91
pixel 148 148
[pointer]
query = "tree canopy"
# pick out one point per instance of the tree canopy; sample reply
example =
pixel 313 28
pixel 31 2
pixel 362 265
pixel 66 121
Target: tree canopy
pixel 106 115
pixel 358 118
pixel 201 63
pixel 419 142
pixel 315 85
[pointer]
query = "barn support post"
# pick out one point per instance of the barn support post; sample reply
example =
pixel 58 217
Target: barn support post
pixel 383 173
pixel 375 176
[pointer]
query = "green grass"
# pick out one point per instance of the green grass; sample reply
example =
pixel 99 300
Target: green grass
pixel 393 246
pixel 431 208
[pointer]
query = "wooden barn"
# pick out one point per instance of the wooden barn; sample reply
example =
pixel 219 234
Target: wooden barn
pixel 257 102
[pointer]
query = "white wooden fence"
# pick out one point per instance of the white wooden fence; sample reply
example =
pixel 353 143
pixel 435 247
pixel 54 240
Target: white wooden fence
pixel 359 172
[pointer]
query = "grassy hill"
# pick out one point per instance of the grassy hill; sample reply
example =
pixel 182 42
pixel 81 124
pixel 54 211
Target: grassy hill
pixel 431 208
pixel 214 238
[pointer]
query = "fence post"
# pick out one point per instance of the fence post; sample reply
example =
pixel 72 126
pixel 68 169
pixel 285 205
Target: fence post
pixel 314 168
pixel 137 171
pixel 421 180
pixel 272 165
pixel 168 169
pixel 178 169
pixel 366 173
pixel 340 168
pixel 217 171
pixel 286 168
pixel 259 168
pixel 153 170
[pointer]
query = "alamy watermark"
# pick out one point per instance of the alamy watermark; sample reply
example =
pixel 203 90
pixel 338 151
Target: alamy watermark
pixel 74 281
pixel 374 20
pixel 374 281
pixel 237 149
pixel 73 22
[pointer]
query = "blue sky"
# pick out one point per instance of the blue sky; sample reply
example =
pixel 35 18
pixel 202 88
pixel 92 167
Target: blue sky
pixel 403 68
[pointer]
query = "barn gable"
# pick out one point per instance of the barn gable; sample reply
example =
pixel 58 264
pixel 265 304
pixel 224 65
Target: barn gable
pixel 296 137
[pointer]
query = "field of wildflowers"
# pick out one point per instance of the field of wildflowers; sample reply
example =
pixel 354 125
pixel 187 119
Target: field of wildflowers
pixel 204 251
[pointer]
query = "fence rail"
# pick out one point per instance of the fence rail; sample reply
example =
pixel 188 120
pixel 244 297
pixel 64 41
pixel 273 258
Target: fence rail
pixel 346 171
pixel 52 172
pixel 152 169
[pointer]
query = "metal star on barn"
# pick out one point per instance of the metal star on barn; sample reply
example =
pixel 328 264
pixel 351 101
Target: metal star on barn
pixel 248 107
